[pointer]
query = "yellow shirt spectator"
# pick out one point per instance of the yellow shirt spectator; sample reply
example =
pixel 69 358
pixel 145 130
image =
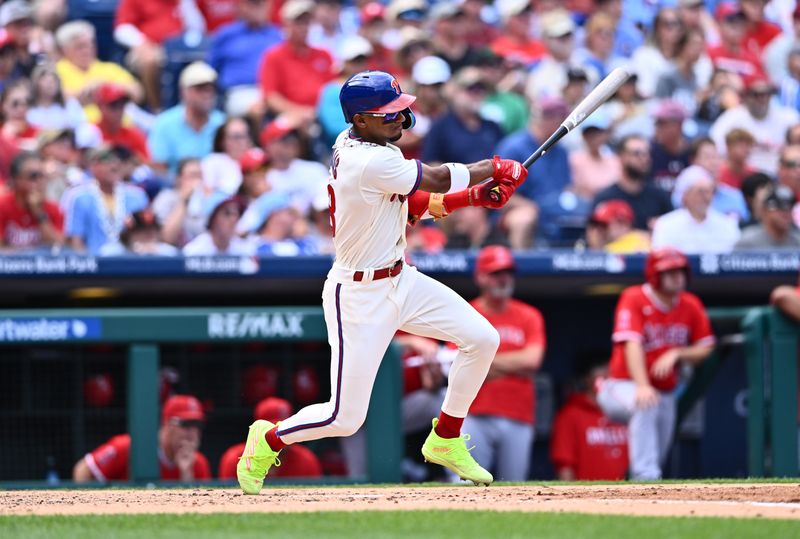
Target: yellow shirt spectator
pixel 74 80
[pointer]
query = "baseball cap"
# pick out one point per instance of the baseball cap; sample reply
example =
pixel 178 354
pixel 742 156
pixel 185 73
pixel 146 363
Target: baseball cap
pixel 757 81
pixel 669 109
pixel 109 92
pixel 430 70
pixel 49 136
pixel 468 76
pixel 552 104
pixel 373 11
pixel 197 73
pixel 597 120
pixel 780 197
pixel 140 220
pixel 407 10
pixel 15 10
pixel 688 178
pixel 294 9
pixel 728 11
pixel 494 258
pixel 5 39
pixel 556 23
pixel 612 211
pixel 101 152
pixel 213 202
pixel 182 408
pixel 509 8
pixel 355 46
pixel 577 73
pixel 260 210
pixel 272 409
pixel 690 3
pixel 253 159
pixel 410 35
pixel 275 130
pixel 446 9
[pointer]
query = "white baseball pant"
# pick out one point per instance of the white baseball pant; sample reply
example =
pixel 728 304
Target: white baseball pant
pixel 650 430
pixel 362 317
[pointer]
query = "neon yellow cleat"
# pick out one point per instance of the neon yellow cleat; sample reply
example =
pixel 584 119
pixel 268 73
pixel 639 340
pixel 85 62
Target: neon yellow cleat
pixel 257 458
pixel 452 453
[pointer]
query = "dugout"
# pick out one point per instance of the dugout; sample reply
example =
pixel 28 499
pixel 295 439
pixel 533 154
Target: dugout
pixel 43 412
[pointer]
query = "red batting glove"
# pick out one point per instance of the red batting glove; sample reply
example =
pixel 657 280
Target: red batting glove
pixel 481 194
pixel 508 169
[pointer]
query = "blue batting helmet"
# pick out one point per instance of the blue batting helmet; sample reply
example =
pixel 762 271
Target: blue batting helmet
pixel 377 92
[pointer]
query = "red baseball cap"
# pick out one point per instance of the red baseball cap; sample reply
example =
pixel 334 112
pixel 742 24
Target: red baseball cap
pixel 727 11
pixel 494 258
pixel 109 92
pixel 371 12
pixel 253 159
pixel 273 409
pixel 276 129
pixel 612 211
pixel 182 407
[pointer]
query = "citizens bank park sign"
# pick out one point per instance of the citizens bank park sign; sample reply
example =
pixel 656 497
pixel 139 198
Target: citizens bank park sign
pixel 238 325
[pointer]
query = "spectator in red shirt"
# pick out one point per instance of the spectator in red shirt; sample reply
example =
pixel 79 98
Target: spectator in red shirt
pixel 27 220
pixel 143 26
pixel 501 419
pixel 293 73
pixel 584 444
pixel 373 28
pixel 515 43
pixel 182 420
pixel 730 55
pixel 15 101
pixel 296 460
pixel 658 326
pixel 759 33
pixel 738 143
pixel 111 100
pixel 217 12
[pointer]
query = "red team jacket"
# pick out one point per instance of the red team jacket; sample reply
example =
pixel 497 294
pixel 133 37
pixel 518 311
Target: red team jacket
pixel 513 397
pixel 586 441
pixel 641 316
pixel 109 462
pixel 296 461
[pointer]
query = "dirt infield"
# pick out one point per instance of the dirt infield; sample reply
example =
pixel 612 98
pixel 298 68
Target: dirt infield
pixel 727 500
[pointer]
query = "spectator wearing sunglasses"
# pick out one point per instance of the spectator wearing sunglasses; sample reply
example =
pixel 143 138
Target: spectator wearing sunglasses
pixel 763 117
pixel 179 458
pixel 776 229
pixel 27 219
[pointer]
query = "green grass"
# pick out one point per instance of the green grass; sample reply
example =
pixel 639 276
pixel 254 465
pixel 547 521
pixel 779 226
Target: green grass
pixel 405 525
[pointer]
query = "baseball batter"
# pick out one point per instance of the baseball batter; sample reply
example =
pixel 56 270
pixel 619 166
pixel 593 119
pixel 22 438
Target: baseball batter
pixel 657 326
pixel 370 293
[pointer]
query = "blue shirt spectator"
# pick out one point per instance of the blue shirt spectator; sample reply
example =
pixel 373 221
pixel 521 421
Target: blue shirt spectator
pixel 552 173
pixel 96 212
pixel 187 130
pixel 236 48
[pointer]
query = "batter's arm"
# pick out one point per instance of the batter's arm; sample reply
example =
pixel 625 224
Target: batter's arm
pixel 437 179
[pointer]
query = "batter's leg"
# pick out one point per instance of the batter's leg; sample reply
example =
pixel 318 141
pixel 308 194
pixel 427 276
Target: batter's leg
pixel 514 449
pixel 433 310
pixel 361 323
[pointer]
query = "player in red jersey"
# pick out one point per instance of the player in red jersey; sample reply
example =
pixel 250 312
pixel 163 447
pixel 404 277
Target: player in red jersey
pixel 501 418
pixel 657 326
pixel 584 444
pixel 178 441
pixel 296 460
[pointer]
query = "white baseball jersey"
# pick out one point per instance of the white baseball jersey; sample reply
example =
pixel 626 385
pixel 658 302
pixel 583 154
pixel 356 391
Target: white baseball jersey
pixel 368 187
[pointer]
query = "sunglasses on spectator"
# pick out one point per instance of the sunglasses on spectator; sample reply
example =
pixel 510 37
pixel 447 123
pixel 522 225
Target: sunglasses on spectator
pixel 32 175
pixel 360 58
pixel 229 211
pixel 187 423
pixel 638 153
pixel 790 163
pixel 760 93
pixel 388 117
pixel 118 104
pixel 17 103
pixel 775 205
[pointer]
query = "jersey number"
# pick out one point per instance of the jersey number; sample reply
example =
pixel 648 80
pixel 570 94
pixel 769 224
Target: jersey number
pixel 332 208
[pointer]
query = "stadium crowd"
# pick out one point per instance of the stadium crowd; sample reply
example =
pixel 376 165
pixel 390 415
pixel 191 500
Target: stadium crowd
pixel 207 126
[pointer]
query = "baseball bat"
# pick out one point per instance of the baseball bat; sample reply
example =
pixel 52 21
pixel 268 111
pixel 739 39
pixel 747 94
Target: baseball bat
pixel 599 95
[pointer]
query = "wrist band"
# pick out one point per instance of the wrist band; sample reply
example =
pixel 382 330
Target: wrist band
pixel 459 177
pixel 436 206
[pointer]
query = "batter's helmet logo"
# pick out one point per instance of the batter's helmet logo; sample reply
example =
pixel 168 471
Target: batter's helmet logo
pixel 396 86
